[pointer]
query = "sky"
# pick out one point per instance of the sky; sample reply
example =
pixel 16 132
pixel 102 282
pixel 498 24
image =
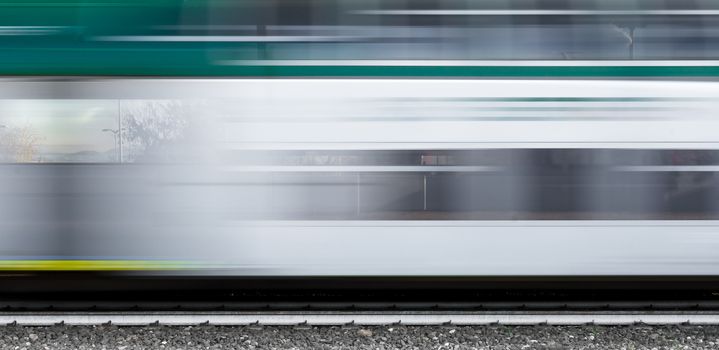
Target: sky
pixel 64 126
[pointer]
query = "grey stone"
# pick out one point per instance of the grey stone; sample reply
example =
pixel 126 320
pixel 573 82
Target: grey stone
pixel 365 332
pixel 331 338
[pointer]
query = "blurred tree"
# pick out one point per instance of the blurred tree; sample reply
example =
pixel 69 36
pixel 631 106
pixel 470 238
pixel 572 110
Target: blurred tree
pixel 19 144
pixel 151 128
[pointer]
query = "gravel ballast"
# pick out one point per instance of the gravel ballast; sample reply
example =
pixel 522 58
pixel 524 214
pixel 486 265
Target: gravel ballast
pixel 385 337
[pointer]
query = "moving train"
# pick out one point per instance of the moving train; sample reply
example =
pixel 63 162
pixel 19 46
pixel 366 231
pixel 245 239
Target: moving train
pixel 341 139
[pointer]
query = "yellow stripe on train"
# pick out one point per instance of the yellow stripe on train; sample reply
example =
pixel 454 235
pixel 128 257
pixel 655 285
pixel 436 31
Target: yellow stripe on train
pixel 93 265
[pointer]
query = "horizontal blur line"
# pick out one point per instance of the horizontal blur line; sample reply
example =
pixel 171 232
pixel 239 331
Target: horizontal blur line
pixel 668 168
pixel 33 27
pixel 467 119
pixel 581 108
pixel 354 169
pixel 556 99
pixel 352 182
pixel 74 4
pixel 459 145
pixel 483 223
pixel 537 12
pixel 206 27
pixel 475 63
pixel 502 142
pixel 30 30
pixel 24 32
pixel 228 38
pixel 94 265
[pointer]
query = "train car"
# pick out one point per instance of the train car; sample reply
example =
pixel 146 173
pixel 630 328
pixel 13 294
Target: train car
pixel 336 140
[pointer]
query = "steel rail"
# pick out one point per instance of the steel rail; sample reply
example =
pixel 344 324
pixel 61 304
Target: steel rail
pixel 358 318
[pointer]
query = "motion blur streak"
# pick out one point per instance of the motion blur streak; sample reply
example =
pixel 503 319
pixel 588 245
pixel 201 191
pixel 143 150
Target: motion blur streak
pixel 285 176
pixel 260 38
pixel 360 138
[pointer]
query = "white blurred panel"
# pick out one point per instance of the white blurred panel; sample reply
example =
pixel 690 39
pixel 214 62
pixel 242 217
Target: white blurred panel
pixel 528 248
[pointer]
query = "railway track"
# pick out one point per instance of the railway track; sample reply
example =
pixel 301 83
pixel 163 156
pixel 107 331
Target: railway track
pixel 48 313
pixel 308 319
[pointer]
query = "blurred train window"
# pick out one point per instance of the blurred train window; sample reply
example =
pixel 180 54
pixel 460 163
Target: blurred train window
pixel 544 184
pixel 468 184
pixel 88 131
pixel 49 131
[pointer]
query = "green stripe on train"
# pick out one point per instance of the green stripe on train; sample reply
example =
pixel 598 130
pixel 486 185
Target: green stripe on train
pixel 191 70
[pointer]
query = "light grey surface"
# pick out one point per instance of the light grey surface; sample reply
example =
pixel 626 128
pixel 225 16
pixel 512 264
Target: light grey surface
pixel 386 337
pixel 363 319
